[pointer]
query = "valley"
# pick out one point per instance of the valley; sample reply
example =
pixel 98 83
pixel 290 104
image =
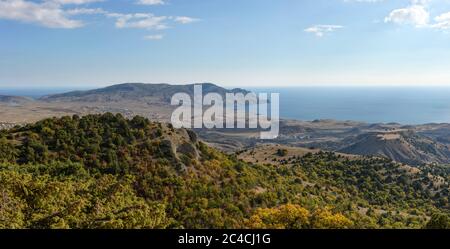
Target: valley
pixel 409 144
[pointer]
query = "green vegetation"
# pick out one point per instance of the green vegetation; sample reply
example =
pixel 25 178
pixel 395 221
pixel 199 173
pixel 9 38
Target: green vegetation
pixel 439 221
pixel 104 171
pixel 282 152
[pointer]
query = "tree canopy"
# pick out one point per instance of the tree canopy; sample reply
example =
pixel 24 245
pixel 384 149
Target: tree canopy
pixel 106 171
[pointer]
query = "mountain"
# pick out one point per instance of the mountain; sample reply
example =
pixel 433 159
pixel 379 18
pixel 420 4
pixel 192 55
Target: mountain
pixel 404 146
pixel 129 99
pixel 14 100
pixel 135 91
pixel 413 144
pixel 106 171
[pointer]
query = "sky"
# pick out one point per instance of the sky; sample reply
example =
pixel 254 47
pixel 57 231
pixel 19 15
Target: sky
pixel 252 43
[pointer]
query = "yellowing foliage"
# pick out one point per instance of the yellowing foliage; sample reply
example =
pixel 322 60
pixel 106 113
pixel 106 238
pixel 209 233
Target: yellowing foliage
pixel 325 219
pixel 28 201
pixel 296 217
pixel 284 217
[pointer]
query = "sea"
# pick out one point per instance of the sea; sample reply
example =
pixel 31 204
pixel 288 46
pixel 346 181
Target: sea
pixel 404 105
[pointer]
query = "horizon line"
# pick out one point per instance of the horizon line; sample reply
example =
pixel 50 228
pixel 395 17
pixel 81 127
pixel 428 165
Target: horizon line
pixel 95 86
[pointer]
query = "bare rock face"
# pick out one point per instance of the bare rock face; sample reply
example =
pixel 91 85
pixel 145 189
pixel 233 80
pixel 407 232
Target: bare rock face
pixel 406 147
pixel 180 146
pixel 189 150
pixel 193 136
pixel 168 149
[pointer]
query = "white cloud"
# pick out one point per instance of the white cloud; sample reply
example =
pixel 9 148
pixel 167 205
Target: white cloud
pixel 148 20
pixel 140 21
pixel 416 15
pixel 60 14
pixel 75 1
pixel 48 14
pixel 364 1
pixel 150 2
pixel 85 11
pixel 420 2
pixel 184 19
pixel 442 21
pixel 443 17
pixel 321 30
pixel 153 37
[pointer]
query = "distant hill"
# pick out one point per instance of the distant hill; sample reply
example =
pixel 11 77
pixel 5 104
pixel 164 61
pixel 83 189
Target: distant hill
pixel 134 91
pixel 405 146
pixel 14 100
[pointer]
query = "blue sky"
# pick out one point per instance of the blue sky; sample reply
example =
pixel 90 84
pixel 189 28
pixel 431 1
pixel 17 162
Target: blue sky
pixel 90 43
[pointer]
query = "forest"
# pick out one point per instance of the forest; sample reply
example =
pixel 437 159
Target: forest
pixel 106 171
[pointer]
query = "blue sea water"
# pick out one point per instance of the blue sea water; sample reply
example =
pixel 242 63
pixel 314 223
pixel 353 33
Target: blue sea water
pixel 405 105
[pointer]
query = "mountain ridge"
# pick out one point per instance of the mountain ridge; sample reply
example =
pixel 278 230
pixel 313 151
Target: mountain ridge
pixel 405 146
pixel 126 91
pixel 14 100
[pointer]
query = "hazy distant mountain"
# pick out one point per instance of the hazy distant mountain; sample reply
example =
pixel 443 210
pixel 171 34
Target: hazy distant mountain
pixel 134 91
pixel 406 146
pixel 14 100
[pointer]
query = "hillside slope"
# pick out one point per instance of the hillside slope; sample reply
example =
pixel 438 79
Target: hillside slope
pixel 14 100
pixel 104 171
pixel 405 146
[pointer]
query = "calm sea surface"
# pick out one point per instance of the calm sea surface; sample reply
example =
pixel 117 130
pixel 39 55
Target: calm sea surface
pixel 418 105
